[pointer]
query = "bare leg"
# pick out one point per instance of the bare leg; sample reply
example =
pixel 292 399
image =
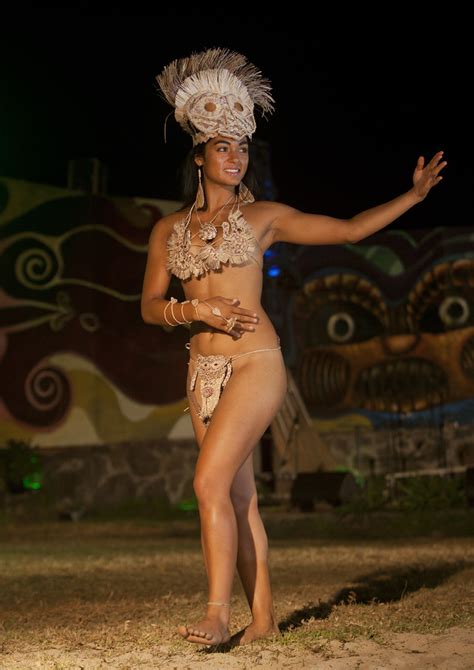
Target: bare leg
pixel 255 391
pixel 252 558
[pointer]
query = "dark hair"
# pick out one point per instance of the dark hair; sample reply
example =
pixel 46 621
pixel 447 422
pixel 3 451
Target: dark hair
pixel 190 181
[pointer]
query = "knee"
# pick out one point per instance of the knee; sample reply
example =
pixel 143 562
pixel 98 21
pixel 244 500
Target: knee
pixel 207 489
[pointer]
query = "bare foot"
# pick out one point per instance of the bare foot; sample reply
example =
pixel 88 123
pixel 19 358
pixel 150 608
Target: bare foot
pixel 210 630
pixel 255 631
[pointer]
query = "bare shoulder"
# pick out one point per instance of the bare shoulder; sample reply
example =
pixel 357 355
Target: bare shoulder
pixel 265 212
pixel 163 227
pixel 262 214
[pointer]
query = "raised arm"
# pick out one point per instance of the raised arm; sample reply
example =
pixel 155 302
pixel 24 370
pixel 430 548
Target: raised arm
pixel 291 225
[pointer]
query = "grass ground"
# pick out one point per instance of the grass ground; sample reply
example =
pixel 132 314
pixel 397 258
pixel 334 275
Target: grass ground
pixel 351 590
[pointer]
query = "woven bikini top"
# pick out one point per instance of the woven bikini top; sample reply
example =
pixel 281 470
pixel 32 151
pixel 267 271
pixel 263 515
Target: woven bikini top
pixel 236 247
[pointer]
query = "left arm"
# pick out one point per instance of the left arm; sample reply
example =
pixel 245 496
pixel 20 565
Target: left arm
pixel 291 225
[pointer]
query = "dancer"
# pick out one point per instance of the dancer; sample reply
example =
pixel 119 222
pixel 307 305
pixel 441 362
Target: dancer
pixel 237 378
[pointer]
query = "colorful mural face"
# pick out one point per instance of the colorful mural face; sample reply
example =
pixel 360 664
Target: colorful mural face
pixel 387 328
pixel 77 363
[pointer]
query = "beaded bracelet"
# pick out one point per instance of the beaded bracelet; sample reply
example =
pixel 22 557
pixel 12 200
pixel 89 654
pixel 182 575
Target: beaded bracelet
pixel 171 303
pixel 178 323
pixel 182 313
pixel 195 303
pixel 164 315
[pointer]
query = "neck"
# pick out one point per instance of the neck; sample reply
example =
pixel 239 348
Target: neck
pixel 217 197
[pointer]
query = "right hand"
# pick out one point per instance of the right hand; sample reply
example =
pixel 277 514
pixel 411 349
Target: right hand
pixel 246 320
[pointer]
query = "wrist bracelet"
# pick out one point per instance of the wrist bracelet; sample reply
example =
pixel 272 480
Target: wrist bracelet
pixel 195 303
pixel 164 315
pixel 178 323
pixel 182 313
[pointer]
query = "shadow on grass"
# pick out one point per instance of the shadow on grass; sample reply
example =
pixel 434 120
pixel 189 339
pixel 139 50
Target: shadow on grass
pixel 381 586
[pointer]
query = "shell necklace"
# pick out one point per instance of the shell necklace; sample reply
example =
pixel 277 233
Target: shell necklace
pixel 207 230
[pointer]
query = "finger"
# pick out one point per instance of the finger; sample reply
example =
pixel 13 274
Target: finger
pixel 243 325
pixel 436 158
pixel 243 318
pixel 439 168
pixel 235 332
pixel 245 312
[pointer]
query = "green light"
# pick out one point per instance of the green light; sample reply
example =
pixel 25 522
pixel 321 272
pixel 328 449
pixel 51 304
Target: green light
pixel 188 505
pixel 33 481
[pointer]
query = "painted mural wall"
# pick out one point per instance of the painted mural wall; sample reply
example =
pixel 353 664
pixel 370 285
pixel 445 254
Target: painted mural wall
pixel 78 365
pixel 378 334
pixel 385 327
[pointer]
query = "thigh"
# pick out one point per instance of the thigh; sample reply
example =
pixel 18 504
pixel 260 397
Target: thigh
pixel 249 402
pixel 243 485
pixel 199 426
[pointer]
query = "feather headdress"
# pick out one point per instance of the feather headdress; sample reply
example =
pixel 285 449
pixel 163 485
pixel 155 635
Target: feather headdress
pixel 214 92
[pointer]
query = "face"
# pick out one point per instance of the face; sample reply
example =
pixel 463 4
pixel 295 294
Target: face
pixel 225 160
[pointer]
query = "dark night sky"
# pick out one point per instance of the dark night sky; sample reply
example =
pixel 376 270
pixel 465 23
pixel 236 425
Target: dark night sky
pixel 355 106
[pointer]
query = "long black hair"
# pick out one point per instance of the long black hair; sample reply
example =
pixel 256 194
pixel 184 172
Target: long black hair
pixel 190 181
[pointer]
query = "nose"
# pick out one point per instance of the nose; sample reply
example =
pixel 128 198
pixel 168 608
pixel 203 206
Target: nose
pixel 400 344
pixel 233 159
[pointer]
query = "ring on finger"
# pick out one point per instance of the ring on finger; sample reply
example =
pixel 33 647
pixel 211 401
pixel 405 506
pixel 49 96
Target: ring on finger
pixel 231 323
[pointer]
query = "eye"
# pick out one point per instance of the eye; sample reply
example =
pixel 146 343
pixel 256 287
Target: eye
pixel 340 322
pixel 453 311
pixel 210 107
pixel 238 107
pixel 340 327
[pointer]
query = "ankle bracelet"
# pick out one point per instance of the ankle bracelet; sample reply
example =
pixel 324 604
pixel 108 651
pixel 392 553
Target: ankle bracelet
pixel 218 603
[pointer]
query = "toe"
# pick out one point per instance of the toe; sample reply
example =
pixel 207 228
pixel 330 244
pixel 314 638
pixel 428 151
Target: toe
pixel 199 638
pixel 183 630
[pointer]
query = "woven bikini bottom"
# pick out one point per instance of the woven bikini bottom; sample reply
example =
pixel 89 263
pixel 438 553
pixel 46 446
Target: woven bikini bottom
pixel 213 372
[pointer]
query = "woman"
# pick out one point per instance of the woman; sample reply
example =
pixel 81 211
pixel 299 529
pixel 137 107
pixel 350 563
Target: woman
pixel 237 377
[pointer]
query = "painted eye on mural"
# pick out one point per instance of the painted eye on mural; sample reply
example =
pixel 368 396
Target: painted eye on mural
pixel 341 323
pixel 454 311
pixel 340 327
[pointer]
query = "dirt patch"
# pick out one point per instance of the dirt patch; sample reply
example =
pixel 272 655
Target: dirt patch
pixel 110 595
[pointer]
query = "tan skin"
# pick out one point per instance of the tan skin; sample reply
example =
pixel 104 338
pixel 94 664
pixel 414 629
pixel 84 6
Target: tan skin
pixel 232 531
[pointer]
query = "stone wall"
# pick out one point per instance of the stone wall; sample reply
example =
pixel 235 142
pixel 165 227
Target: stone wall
pixel 77 479
pixel 84 478
pixel 400 449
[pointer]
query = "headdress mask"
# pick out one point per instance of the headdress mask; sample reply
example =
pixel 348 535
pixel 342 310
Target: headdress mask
pixel 214 92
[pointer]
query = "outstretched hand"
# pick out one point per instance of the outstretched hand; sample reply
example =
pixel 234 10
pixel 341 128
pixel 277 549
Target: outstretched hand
pixel 424 178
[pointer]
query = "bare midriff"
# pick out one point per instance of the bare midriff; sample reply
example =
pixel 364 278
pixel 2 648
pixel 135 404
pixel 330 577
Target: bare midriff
pixel 231 281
